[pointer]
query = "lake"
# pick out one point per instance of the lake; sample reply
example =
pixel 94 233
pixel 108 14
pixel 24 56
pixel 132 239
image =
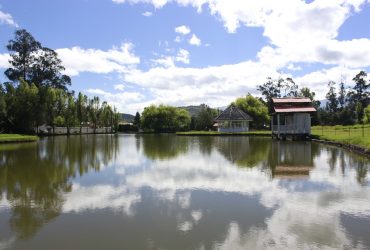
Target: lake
pixel 172 192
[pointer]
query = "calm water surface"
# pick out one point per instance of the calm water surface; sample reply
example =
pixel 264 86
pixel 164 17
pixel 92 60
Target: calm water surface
pixel 168 192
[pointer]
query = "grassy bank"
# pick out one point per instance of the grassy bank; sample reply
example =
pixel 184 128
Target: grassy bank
pixel 6 138
pixel 358 135
pixel 215 133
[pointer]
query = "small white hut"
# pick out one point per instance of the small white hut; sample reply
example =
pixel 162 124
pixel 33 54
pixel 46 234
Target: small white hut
pixel 233 119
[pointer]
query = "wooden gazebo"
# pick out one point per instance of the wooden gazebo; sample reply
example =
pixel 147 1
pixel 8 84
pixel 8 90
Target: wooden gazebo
pixel 233 119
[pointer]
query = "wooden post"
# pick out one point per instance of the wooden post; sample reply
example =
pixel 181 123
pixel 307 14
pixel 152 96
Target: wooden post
pixel 278 121
pixel 272 126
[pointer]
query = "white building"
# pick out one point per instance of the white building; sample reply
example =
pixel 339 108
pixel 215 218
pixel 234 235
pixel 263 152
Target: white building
pixel 233 119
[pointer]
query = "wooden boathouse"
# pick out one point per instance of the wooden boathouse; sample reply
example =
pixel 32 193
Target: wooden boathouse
pixel 291 117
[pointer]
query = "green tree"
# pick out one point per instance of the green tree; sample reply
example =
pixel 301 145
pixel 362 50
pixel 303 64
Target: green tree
pixel 342 95
pixel 366 118
pixel 23 50
pixel 137 120
pixel 165 118
pixel 106 115
pixel 359 97
pixel 94 111
pixel 277 88
pixel 331 107
pixel 34 63
pixel 47 68
pixel 270 89
pixel 81 109
pixel 255 108
pixel 331 96
pixel 205 118
pixel 306 92
pixel 115 119
pixel 21 102
pixel 55 107
pixel 70 113
pixel 2 109
pixel 289 86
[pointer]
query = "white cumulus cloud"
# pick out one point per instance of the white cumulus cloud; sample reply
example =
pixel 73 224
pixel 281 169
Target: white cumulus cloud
pixel 8 19
pixel 147 14
pixel 4 60
pixel 183 56
pixel 184 30
pixel 194 40
pixel 78 60
pixel 123 101
pixel 156 3
pixel 119 87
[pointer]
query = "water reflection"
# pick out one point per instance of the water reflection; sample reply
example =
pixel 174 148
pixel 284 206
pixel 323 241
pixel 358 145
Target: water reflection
pixel 168 192
pixel 164 146
pixel 34 177
pixel 339 159
pixel 244 152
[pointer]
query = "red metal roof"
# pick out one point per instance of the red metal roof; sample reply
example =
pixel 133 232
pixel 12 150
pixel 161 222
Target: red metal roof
pixel 291 100
pixel 294 109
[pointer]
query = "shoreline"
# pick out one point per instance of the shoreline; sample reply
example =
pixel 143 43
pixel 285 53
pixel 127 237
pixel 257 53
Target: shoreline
pixel 351 147
pixel 214 133
pixel 17 138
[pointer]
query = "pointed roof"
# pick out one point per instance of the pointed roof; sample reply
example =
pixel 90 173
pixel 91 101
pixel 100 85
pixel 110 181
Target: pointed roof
pixel 232 113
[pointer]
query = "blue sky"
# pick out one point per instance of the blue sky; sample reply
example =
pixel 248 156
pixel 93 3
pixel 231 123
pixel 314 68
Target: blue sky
pixel 133 53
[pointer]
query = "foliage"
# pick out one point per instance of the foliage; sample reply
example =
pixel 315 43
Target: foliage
pixel 255 108
pixel 164 118
pixel 359 96
pixel 366 118
pixel 21 106
pixel 331 96
pixel 24 107
pixel 345 106
pixel 204 119
pixel 342 95
pixel 37 93
pixel 2 107
pixel 276 88
pixel 127 128
pixel 34 63
pixel 137 120
pixel 306 92
pixel 24 48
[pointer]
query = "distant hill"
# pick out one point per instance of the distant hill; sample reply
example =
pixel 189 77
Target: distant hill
pixel 195 109
pixel 127 117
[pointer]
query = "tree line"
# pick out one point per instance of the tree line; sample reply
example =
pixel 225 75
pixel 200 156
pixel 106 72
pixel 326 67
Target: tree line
pixel 343 105
pixel 37 92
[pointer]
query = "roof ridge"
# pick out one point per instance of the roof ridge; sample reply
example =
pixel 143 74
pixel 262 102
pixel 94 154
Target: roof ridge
pixel 232 112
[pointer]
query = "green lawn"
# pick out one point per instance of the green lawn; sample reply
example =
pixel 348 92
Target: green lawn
pixel 17 138
pixel 215 133
pixel 357 134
